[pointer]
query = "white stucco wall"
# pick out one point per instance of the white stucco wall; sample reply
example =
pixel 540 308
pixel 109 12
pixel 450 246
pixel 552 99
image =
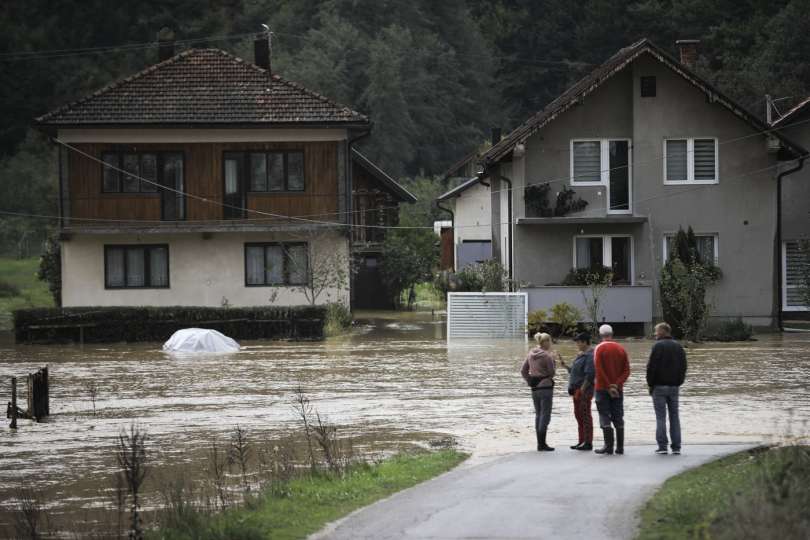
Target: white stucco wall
pixel 202 272
pixel 472 217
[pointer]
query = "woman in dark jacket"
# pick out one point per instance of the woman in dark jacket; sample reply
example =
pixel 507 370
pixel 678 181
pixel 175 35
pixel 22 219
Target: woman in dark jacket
pixel 580 387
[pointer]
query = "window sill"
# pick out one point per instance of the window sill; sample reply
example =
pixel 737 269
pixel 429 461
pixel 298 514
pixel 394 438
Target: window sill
pixel 587 184
pixel 106 288
pixel 690 182
pixel 277 285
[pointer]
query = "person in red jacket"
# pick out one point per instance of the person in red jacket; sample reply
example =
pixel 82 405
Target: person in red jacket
pixel 612 366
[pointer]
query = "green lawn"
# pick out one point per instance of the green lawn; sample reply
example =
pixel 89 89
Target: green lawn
pixel 761 493
pixel 311 501
pixel 21 273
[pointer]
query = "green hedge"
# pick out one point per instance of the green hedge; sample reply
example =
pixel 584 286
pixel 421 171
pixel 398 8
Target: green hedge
pixel 116 324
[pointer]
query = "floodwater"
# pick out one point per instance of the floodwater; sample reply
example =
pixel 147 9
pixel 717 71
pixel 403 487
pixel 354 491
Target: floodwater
pixel 394 382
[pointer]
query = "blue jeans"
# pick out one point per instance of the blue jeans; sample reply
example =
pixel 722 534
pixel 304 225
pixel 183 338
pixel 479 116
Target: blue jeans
pixel 665 398
pixel 611 410
pixel 542 398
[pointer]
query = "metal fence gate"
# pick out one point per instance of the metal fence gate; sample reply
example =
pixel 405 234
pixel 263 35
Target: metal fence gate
pixel 486 315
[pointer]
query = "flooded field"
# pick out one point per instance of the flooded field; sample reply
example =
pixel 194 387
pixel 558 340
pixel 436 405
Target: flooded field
pixel 392 383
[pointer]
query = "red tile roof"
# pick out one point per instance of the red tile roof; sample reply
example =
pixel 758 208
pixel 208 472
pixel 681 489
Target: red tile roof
pixel 203 86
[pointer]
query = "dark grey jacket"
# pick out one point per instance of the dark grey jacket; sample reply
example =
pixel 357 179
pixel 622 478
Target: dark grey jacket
pixel 582 369
pixel 667 365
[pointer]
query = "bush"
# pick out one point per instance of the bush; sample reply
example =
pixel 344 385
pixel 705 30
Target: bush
pixel 730 330
pixel 338 319
pixel 582 277
pixel 8 290
pixel 566 317
pixel 536 321
pixel 50 269
pixel 486 276
pixel 116 324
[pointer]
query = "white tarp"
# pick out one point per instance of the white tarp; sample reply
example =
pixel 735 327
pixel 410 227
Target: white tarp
pixel 200 340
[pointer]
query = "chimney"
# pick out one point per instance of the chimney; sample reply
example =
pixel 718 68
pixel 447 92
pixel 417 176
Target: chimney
pixel 261 49
pixel 165 43
pixel 688 50
pixel 496 135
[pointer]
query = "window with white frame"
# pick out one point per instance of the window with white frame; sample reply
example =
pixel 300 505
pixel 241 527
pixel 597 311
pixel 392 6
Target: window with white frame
pixel 604 162
pixel 690 161
pixel 707 247
pixel 610 251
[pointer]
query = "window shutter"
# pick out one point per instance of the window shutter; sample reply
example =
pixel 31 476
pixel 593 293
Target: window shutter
pixel 587 162
pixel 705 152
pixel 794 260
pixel 677 170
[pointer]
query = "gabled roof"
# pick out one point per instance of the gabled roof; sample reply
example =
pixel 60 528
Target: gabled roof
pixel 383 177
pixel 784 120
pixel 203 87
pixel 600 75
pixel 454 168
pixel 459 189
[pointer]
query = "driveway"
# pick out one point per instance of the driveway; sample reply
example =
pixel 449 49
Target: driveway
pixel 560 495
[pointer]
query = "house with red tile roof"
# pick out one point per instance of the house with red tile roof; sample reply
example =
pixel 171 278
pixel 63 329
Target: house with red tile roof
pixel 208 180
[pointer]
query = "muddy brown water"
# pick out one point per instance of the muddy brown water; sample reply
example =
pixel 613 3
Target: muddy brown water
pixel 392 383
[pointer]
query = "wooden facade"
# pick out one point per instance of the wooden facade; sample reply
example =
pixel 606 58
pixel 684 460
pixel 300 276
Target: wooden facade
pixel 203 179
pixel 373 205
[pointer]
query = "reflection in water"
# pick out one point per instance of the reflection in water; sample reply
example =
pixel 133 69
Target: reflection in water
pixel 392 382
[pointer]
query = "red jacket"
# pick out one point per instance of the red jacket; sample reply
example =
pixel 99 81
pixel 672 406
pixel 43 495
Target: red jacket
pixel 612 365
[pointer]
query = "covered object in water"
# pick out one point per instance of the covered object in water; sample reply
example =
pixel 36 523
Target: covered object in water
pixel 194 340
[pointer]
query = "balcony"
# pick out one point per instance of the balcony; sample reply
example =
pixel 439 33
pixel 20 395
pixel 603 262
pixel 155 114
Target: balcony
pixel 620 304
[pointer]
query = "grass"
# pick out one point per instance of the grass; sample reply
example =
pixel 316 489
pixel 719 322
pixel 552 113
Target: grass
pixel 309 502
pixel 761 493
pixel 427 297
pixel 21 274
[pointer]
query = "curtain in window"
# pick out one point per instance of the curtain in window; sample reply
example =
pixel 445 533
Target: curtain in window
pixel 131 165
pixel 298 264
pixel 587 161
pixel 115 267
pixel 620 263
pixel 159 267
pixel 173 198
pixel 295 171
pixel 112 179
pixel 258 172
pixel 254 259
pixel 274 265
pixel 231 176
pixel 677 160
pixel 619 175
pixel 136 269
pixel 149 172
pixel 705 159
pixel 275 171
pixel 589 253
pixel 705 249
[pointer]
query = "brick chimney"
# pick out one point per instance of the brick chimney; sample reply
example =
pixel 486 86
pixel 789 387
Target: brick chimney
pixel 165 43
pixel 261 50
pixel 688 51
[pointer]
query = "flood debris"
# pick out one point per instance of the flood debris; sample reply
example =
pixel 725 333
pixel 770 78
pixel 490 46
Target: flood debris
pixel 38 398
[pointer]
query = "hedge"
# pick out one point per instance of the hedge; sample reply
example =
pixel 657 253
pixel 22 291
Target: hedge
pixel 116 324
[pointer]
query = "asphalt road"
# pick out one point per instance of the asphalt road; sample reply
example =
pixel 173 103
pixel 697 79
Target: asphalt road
pixel 562 494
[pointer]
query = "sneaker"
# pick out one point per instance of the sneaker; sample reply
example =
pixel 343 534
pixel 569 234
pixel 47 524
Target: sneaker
pixel 676 452
pixel 662 451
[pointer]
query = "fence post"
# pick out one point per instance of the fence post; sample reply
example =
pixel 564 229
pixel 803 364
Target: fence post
pixel 13 403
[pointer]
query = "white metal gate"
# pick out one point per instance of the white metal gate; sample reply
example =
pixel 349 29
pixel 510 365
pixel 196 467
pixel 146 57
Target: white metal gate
pixel 486 315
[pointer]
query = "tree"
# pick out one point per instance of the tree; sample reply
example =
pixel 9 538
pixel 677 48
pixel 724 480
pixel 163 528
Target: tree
pixel 326 267
pixel 597 282
pixel 409 257
pixel 683 284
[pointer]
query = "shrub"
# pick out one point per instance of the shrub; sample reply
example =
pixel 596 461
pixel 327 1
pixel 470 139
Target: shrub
pixel 730 330
pixel 536 321
pixel 566 203
pixel 338 319
pixel 581 277
pixel 566 317
pixel 536 198
pixel 8 290
pixel 50 269
pixel 486 276
pixel 116 324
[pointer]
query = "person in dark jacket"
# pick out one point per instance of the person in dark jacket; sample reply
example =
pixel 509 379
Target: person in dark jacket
pixel 666 371
pixel 580 386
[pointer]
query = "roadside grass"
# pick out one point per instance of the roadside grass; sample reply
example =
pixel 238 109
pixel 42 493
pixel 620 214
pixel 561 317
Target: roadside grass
pixel 760 493
pixel 21 275
pixel 306 503
pixel 427 297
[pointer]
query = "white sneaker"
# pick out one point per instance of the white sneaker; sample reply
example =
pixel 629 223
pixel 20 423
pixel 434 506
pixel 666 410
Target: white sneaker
pixel 662 451
pixel 676 452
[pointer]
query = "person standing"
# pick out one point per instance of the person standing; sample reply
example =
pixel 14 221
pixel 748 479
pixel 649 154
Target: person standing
pixel 538 372
pixel 612 367
pixel 666 371
pixel 580 387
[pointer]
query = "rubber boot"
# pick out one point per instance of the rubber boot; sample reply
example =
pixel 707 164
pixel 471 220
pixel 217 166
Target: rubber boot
pixel 577 446
pixel 586 446
pixel 607 449
pixel 542 446
pixel 620 440
pixel 540 441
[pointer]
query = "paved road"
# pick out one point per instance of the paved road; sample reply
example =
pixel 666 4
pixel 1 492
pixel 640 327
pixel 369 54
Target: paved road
pixel 560 495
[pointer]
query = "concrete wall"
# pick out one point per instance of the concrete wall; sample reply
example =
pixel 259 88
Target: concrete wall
pixel 618 304
pixel 796 187
pixel 473 213
pixel 202 272
pixel 741 208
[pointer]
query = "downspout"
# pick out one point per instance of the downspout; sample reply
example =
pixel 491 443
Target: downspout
pixel 779 268
pixel 452 214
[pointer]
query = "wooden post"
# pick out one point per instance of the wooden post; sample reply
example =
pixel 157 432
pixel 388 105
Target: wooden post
pixel 13 403
pixel 46 392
